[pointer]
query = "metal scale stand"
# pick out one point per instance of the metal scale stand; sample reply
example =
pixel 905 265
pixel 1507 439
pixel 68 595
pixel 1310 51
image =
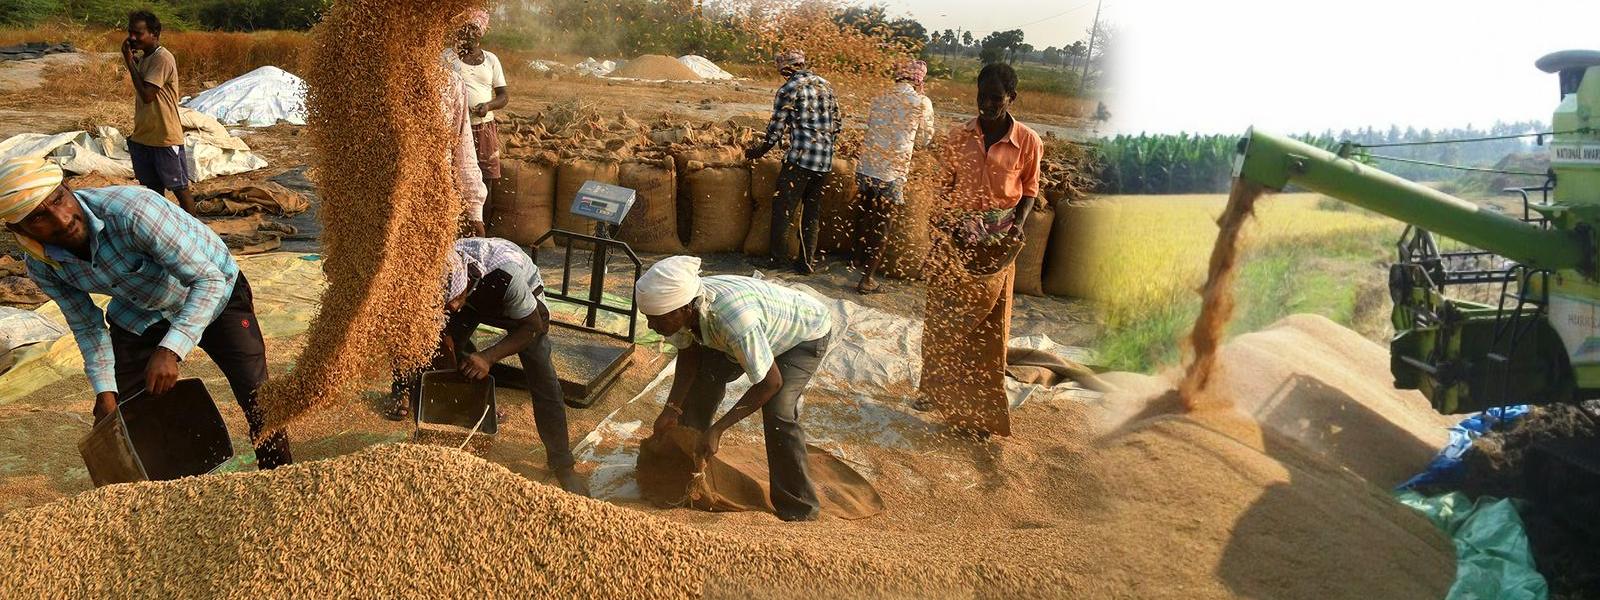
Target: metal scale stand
pixel 589 358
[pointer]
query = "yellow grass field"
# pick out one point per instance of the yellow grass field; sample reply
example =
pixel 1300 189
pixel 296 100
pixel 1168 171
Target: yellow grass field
pixel 1305 253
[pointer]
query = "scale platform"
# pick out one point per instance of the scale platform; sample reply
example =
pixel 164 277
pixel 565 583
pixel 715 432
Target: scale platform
pixel 587 363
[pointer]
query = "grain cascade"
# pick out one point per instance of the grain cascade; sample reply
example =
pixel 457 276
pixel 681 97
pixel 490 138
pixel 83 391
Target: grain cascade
pixel 390 205
pixel 1217 300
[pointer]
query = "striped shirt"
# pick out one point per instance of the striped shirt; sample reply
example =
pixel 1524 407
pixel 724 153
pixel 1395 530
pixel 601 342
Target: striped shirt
pixel 805 108
pixel 154 260
pixel 495 254
pixel 753 321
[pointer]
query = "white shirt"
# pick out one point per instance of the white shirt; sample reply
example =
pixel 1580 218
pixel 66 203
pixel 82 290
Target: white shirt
pixel 898 120
pixel 481 81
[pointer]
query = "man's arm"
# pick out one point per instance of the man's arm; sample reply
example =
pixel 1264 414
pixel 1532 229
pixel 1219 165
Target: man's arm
pixel 925 129
pixel 88 325
pixel 1024 209
pixel 527 330
pixel 683 376
pixel 144 89
pixel 501 98
pixel 753 399
pixel 782 115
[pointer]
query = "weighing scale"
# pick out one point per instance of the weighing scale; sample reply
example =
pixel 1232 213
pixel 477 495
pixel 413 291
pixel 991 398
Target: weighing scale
pixel 590 358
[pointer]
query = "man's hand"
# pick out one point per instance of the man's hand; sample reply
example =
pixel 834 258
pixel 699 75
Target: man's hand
pixel 480 111
pixel 667 420
pixel 476 229
pixel 755 152
pixel 476 367
pixel 127 52
pixel 710 441
pixel 105 403
pixel 162 372
pixel 1016 232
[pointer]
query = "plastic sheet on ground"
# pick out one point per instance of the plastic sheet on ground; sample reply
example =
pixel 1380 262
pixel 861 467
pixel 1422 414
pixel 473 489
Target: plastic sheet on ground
pixel 260 98
pixel 286 289
pixel 211 150
pixel 1446 467
pixel 860 398
pixel 1492 555
pixel 595 68
pixel 19 328
pixel 703 67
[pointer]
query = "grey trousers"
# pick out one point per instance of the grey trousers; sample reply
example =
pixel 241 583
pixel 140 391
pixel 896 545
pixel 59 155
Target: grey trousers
pixel 791 491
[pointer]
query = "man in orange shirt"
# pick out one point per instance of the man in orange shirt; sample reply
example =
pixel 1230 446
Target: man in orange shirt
pixel 992 166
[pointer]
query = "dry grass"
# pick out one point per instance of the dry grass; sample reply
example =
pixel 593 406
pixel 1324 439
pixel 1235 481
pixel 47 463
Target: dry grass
pixel 212 56
pixel 945 92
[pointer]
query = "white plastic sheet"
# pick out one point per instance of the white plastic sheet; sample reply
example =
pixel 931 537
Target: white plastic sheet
pixel 260 98
pixel 703 67
pixel 211 150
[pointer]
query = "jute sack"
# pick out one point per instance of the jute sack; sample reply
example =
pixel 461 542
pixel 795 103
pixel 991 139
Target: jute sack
pixel 652 225
pixel 719 195
pixel 574 171
pixel 524 201
pixel 763 188
pixel 837 231
pixel 1069 270
pixel 908 242
pixel 703 155
pixel 1036 244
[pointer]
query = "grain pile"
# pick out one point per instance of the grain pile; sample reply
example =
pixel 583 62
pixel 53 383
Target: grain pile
pixel 656 67
pixel 390 207
pixel 1216 307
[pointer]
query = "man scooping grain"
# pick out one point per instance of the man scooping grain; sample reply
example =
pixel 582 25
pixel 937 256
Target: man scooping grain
pixel 804 107
pixel 725 326
pixel 172 283
pixel 492 281
pixel 899 121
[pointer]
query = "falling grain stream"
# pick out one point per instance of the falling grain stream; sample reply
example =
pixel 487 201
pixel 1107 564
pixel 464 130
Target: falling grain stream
pixel 1217 299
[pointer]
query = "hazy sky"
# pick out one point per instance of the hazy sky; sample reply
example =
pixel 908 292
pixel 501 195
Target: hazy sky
pixel 1044 23
pixel 1223 65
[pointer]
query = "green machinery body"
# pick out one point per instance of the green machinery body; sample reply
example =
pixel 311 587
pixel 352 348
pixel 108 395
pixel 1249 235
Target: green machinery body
pixel 1540 342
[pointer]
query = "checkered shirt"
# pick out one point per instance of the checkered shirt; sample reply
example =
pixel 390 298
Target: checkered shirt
pixel 154 260
pixel 753 321
pixel 805 107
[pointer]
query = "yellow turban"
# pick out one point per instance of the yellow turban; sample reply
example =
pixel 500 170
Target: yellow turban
pixel 24 184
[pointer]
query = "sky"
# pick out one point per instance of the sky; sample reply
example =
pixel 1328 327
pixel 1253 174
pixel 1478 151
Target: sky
pixel 1294 66
pixel 1044 23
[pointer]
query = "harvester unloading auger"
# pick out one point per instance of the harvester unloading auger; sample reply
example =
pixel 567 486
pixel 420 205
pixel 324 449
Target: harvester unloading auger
pixel 1540 343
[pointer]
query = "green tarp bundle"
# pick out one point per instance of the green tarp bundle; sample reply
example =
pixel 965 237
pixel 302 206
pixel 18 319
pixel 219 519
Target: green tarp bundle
pixel 1493 560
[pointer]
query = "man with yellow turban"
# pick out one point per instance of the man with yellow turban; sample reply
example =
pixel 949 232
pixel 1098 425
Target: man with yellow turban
pixel 172 283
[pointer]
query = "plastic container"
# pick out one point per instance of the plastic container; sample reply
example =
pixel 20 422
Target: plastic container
pixel 158 439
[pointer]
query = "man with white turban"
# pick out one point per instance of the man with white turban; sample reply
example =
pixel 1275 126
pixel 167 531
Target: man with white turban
pixel 725 326
pixel 492 281
pixel 172 283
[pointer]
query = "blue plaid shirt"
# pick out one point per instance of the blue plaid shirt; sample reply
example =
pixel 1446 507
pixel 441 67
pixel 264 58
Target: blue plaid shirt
pixel 154 260
pixel 805 107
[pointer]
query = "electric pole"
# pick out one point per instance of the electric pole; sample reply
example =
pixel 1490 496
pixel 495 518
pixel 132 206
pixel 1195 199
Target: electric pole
pixel 1088 55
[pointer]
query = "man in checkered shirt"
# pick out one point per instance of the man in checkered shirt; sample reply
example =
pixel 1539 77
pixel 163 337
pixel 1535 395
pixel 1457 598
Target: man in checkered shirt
pixel 172 283
pixel 804 107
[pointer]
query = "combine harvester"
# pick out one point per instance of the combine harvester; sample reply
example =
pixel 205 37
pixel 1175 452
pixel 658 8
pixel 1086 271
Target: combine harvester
pixel 1540 343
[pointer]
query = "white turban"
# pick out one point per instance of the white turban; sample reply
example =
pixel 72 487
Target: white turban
pixel 669 285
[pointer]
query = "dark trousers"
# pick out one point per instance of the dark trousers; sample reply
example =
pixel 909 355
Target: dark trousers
pixel 549 410
pixel 798 188
pixel 234 342
pixel 158 168
pixel 875 201
pixel 791 490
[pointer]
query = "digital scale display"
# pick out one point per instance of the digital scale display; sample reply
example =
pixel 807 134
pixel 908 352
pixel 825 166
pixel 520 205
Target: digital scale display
pixel 603 202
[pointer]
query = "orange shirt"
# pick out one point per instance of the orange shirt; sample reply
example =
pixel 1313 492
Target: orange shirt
pixel 996 178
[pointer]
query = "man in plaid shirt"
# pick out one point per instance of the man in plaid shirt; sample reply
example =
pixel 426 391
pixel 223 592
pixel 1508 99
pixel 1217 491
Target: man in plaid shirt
pixel 172 283
pixel 804 107
pixel 727 326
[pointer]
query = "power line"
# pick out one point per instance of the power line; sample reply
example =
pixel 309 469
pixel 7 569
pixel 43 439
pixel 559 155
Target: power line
pixel 1060 14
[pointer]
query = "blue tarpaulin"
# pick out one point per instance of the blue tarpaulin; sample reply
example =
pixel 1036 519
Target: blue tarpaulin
pixel 1445 468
